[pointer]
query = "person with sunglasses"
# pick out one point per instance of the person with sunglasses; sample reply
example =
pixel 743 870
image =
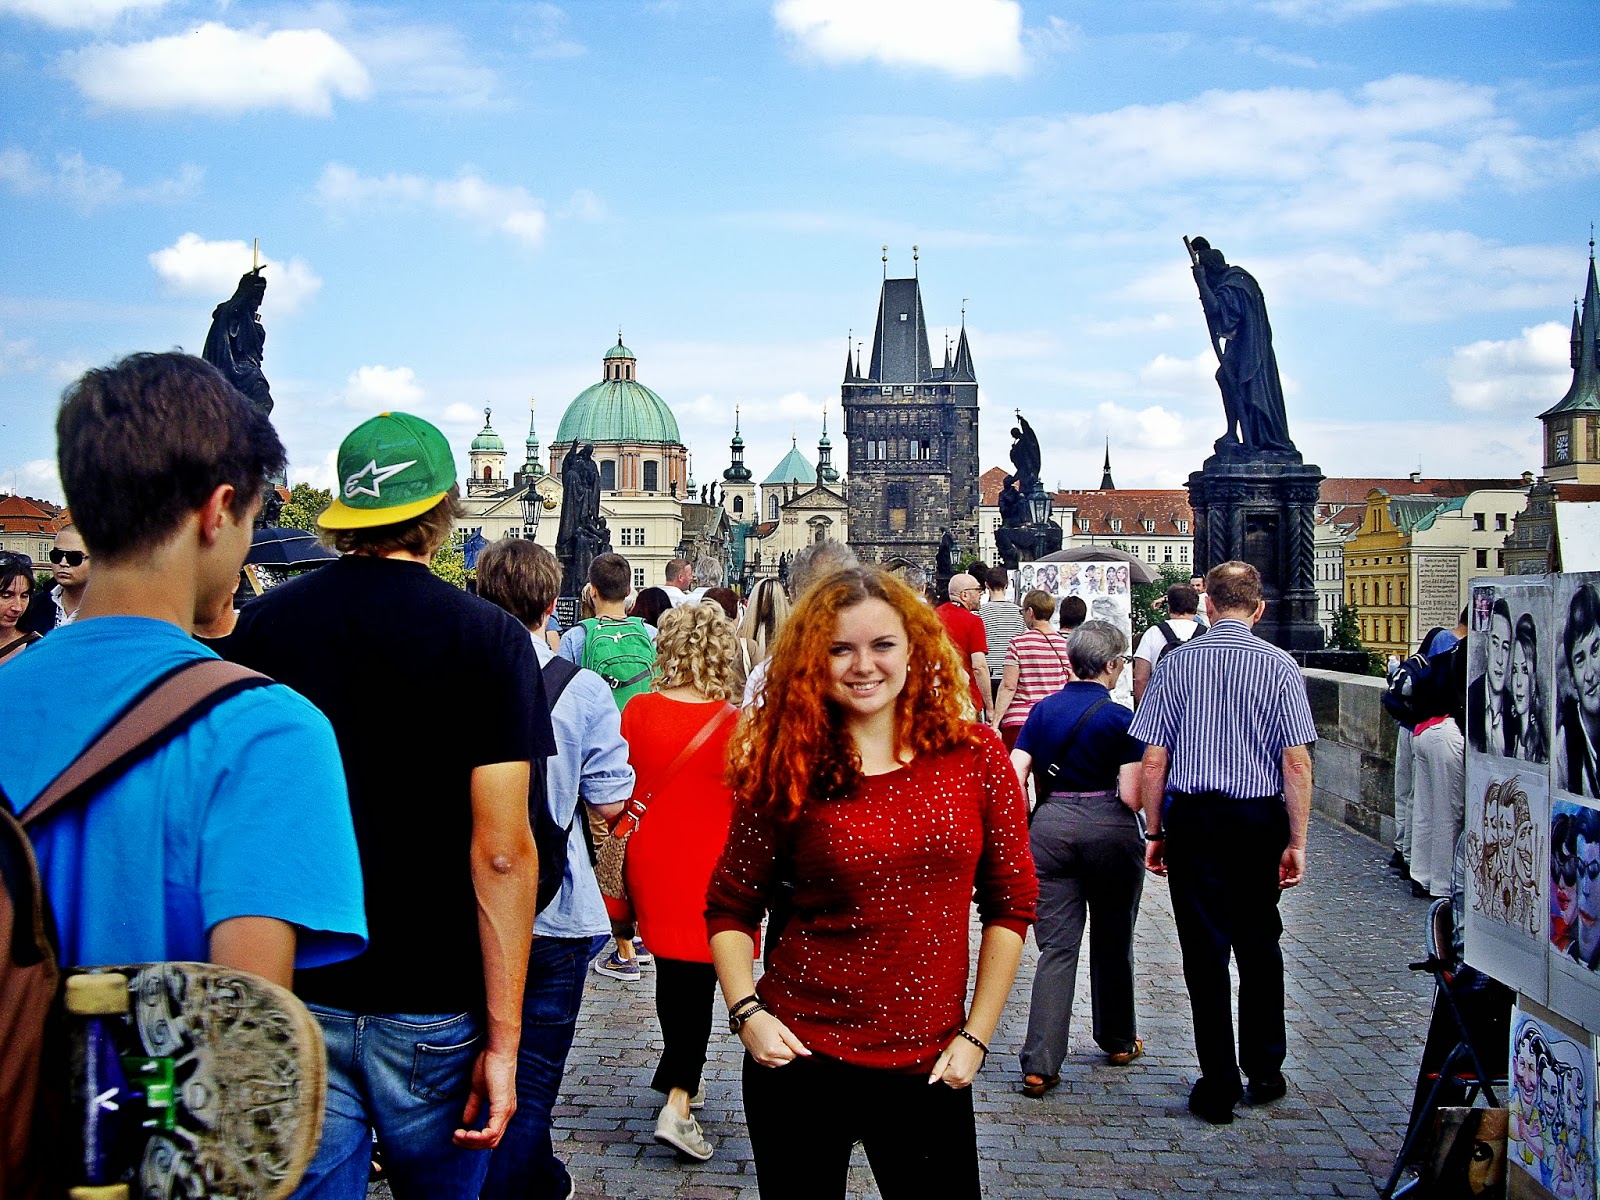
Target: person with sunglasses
pixel 69 563
pixel 16 589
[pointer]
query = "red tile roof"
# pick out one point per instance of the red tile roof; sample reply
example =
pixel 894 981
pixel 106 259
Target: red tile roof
pixel 23 514
pixel 1354 490
pixel 1164 507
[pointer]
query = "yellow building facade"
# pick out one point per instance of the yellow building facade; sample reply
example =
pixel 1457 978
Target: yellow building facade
pixel 1377 572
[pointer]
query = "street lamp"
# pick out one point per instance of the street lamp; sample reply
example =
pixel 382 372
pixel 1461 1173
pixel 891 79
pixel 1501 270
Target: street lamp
pixel 1041 507
pixel 532 505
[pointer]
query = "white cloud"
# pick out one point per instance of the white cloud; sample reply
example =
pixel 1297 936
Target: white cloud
pixel 77 14
pixel 424 62
pixel 215 68
pixel 508 210
pixel 37 477
pixel 584 205
pixel 543 31
pixel 381 389
pixel 1527 372
pixel 1321 12
pixel 1282 158
pixel 17 356
pixel 192 266
pixel 968 39
pixel 1191 378
pixel 459 414
pixel 86 185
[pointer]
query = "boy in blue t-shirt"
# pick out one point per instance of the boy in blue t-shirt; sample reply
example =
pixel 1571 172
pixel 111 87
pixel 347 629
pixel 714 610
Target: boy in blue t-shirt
pixel 233 842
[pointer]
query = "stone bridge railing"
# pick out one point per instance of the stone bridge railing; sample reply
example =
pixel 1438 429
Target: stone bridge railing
pixel 1354 752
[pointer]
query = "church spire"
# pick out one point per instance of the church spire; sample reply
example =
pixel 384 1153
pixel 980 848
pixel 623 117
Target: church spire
pixel 530 465
pixel 825 471
pixel 1106 485
pixel 737 472
pixel 962 370
pixel 849 357
pixel 1584 394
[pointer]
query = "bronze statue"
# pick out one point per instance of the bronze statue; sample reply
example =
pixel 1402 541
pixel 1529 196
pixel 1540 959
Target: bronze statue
pixel 1236 314
pixel 582 534
pixel 237 338
pixel 1025 455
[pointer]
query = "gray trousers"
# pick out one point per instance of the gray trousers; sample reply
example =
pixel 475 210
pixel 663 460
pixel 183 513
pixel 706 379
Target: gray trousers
pixel 1090 859
pixel 1404 791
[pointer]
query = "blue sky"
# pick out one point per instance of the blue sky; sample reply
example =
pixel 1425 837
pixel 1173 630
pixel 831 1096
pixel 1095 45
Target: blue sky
pixel 461 205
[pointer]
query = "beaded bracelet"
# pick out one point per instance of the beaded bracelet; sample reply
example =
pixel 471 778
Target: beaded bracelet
pixel 964 1034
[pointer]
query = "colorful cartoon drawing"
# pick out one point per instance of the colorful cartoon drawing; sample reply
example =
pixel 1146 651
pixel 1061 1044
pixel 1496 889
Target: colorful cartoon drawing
pixel 1551 1113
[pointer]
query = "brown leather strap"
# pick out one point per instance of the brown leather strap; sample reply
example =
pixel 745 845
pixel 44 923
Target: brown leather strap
pixel 186 692
pixel 634 811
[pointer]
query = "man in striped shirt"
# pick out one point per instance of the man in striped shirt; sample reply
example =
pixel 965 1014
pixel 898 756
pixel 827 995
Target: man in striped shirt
pixel 1002 621
pixel 1226 803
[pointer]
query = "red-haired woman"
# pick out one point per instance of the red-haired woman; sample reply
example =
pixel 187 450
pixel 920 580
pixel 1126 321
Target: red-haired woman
pixel 864 791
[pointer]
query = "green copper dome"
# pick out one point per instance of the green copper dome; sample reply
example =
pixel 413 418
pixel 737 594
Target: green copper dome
pixel 620 351
pixel 487 438
pixel 794 468
pixel 618 409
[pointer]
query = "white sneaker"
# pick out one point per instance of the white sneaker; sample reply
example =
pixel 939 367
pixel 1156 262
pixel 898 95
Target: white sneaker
pixel 698 1100
pixel 682 1134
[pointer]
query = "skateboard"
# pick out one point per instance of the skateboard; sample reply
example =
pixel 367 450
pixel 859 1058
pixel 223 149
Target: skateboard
pixel 190 1080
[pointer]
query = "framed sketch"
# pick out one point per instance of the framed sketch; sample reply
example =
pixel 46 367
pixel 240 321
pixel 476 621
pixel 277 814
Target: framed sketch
pixel 1506 853
pixel 1508 690
pixel 1576 685
pixel 1550 1119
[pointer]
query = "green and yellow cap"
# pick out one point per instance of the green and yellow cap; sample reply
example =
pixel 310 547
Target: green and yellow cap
pixel 391 468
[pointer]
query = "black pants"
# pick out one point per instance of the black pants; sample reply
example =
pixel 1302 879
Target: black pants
pixel 685 993
pixel 804 1118
pixel 1222 868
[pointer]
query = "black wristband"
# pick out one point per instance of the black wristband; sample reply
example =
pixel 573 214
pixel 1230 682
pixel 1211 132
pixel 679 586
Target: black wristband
pixel 1158 835
pixel 962 1033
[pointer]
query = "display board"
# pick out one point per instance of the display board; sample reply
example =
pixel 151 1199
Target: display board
pixel 1102 584
pixel 1550 1130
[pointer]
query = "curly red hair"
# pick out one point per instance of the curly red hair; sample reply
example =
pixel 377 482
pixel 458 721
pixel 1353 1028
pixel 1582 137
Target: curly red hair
pixel 794 748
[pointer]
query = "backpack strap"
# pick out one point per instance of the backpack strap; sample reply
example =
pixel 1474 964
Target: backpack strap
pixel 1173 640
pixel 555 675
pixel 163 710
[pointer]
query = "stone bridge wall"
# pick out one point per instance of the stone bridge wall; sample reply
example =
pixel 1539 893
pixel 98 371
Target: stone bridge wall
pixel 1354 752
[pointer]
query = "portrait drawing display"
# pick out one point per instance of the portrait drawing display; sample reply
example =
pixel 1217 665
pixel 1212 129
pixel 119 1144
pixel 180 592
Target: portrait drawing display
pixel 1576 736
pixel 1508 872
pixel 1550 1123
pixel 1508 707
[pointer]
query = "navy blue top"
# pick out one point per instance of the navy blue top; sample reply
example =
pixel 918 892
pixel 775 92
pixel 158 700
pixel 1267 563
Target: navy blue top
pixel 1098 750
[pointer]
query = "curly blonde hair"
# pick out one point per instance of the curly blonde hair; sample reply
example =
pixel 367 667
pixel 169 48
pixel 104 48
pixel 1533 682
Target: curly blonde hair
pixel 695 646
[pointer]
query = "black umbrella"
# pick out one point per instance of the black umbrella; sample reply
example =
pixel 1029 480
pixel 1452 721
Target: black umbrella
pixel 277 546
pixel 1138 570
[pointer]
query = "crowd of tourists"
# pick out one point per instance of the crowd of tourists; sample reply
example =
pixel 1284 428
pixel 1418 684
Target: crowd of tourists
pixel 446 812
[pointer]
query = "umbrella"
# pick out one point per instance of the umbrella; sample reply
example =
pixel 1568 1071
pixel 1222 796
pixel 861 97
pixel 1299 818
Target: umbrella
pixel 1138 570
pixel 276 546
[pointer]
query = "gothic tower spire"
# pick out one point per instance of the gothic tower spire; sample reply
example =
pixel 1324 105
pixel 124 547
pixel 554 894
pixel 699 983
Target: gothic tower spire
pixel 1105 472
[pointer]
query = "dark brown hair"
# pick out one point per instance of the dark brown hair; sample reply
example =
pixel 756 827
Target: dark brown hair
pixel 520 576
pixel 650 604
pixel 1074 612
pixel 143 443
pixel 611 577
pixel 726 598
pixel 1182 600
pixel 1234 587
pixel 994 578
pixel 422 534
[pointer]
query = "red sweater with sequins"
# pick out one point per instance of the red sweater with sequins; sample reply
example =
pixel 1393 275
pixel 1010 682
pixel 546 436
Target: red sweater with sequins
pixel 872 968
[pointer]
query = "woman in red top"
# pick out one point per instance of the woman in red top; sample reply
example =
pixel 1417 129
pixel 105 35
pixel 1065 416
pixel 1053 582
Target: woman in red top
pixel 864 788
pixel 678 841
pixel 1036 666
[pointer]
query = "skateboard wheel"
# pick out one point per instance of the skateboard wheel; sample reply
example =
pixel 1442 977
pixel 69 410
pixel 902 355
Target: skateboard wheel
pixel 103 994
pixel 109 1191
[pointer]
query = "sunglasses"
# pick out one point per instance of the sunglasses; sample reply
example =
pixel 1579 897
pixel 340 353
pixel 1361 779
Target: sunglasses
pixel 72 558
pixel 12 558
pixel 1570 870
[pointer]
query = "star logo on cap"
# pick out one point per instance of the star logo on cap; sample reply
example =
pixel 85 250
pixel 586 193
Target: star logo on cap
pixel 353 485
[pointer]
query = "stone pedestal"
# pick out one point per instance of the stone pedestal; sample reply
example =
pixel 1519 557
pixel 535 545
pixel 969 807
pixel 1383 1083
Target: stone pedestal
pixel 1260 509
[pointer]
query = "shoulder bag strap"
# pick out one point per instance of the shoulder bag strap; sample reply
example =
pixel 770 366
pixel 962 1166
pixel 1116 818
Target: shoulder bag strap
pixel 1053 771
pixel 635 808
pixel 165 708
pixel 555 675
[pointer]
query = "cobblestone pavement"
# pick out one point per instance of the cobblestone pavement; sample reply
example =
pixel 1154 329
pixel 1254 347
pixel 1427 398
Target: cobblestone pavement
pixel 1356 1022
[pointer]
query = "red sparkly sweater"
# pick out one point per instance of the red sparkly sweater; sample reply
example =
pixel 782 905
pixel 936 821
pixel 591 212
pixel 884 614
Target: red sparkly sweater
pixel 872 968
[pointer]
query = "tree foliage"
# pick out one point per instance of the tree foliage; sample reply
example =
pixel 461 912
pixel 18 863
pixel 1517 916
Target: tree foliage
pixel 1346 635
pixel 304 505
pixel 449 566
pixel 1143 609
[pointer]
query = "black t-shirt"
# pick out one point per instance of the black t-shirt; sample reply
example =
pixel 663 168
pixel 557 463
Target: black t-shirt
pixel 422 683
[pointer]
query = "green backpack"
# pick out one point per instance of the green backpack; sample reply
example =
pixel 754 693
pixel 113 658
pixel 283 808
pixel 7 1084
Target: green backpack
pixel 621 652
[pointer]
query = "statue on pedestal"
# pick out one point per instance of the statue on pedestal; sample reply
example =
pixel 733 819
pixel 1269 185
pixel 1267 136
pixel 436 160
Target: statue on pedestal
pixel 236 340
pixel 1017 535
pixel 1252 393
pixel 582 535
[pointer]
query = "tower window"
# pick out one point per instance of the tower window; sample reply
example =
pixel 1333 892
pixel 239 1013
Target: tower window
pixel 652 476
pixel 897 498
pixel 738 506
pixel 608 475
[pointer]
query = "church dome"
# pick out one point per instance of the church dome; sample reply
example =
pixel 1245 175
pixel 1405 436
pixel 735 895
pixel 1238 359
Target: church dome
pixel 618 409
pixel 487 438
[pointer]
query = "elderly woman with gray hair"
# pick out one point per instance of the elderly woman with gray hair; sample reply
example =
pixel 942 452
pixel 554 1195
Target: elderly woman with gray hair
pixel 1089 852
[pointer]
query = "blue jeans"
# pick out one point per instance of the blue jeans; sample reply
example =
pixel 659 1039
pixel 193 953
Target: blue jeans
pixel 524 1165
pixel 406 1077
